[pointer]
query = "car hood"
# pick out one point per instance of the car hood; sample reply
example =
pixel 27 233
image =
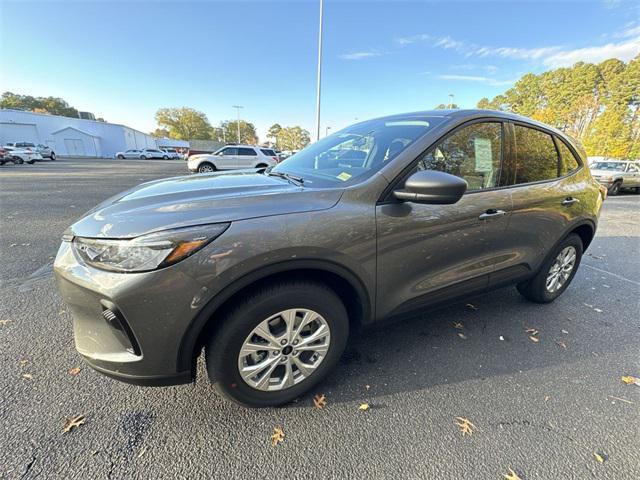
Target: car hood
pixel 198 200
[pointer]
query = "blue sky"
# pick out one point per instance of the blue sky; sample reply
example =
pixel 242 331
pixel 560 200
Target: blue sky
pixel 124 60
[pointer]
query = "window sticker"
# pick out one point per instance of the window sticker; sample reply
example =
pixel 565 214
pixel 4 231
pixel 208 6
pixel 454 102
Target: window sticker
pixel 484 157
pixel 344 176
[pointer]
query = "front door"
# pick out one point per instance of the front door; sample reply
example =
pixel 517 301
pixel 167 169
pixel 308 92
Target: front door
pixel 430 253
pixel 228 158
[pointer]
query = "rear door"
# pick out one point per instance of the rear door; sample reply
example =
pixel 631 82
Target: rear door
pixel 247 157
pixel 429 253
pixel 547 192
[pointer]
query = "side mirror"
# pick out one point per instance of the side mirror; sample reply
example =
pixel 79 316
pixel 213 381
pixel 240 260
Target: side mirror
pixel 432 187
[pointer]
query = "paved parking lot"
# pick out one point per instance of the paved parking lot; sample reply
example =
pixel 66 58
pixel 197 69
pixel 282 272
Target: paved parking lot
pixel 540 408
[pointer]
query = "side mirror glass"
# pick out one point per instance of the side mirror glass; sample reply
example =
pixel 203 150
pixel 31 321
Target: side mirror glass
pixel 432 187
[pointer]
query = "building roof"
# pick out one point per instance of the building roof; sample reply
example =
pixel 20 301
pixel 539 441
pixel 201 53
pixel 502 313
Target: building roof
pixel 77 130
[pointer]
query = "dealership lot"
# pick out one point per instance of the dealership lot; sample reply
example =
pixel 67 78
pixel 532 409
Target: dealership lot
pixel 542 406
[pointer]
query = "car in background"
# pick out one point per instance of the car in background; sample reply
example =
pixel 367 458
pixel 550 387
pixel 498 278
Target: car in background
pixel 21 154
pixel 46 152
pixel 172 153
pixel 142 154
pixel 616 175
pixel 232 157
pixel 4 157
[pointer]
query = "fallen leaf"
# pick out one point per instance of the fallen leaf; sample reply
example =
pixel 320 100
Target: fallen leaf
pixel 466 427
pixel 142 452
pixel 4 322
pixel 534 339
pixel 546 398
pixel 62 312
pixel 74 371
pixel 597 310
pixel 462 336
pixel 24 361
pixel 512 475
pixel 565 332
pixel 364 407
pixel 73 422
pixel 562 344
pixel 601 457
pixel 532 331
pixel 501 338
pixel 629 380
pixel 458 325
pixel 277 437
pixel 320 401
pixel 367 387
pixel 28 376
pixel 471 306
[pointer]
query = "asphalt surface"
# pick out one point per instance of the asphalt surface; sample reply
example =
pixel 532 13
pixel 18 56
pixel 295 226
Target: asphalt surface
pixel 540 408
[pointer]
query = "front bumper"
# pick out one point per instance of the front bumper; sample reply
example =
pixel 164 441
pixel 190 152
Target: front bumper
pixel 129 326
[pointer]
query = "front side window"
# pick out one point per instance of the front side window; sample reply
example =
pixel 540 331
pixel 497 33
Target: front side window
pixel 473 152
pixel 229 151
pixel 536 156
pixel 568 162
pixel 247 151
pixel 357 152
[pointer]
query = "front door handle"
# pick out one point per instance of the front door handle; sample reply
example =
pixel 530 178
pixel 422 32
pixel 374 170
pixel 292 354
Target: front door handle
pixel 569 201
pixel 492 213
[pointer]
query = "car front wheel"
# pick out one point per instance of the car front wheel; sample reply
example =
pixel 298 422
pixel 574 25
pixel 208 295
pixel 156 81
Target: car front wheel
pixel 142 157
pixel 556 272
pixel 615 189
pixel 18 161
pixel 53 157
pixel 278 343
pixel 206 168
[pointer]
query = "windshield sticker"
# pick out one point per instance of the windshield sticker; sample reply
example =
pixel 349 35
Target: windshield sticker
pixel 344 176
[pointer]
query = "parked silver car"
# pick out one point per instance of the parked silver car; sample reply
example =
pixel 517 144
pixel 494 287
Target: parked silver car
pixel 142 154
pixel 233 157
pixel 21 154
pixel 617 174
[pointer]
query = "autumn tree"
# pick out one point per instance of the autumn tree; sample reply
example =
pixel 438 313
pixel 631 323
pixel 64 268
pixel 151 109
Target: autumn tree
pixel 51 105
pixel 293 138
pixel 597 104
pixel 248 133
pixel 184 123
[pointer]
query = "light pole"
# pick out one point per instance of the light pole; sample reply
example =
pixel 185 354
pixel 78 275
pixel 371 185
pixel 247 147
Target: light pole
pixel 326 131
pixel 451 100
pixel 319 74
pixel 238 107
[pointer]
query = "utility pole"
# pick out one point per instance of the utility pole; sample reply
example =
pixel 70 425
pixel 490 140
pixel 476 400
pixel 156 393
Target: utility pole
pixel 451 100
pixel 319 73
pixel 238 107
pixel 326 131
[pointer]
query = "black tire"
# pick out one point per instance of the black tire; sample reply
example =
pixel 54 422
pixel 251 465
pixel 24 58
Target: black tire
pixel 614 189
pixel 165 158
pixel 636 190
pixel 53 157
pixel 535 289
pixel 17 161
pixel 206 167
pixel 223 348
pixel 142 157
pixel 120 157
pixel 31 162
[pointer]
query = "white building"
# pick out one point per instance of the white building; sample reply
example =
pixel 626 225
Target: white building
pixel 71 136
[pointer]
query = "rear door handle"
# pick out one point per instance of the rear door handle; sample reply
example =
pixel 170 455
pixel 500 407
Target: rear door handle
pixel 569 201
pixel 492 213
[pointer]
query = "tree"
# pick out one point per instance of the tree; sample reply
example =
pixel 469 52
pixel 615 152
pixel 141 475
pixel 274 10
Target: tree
pixel 442 106
pixel 274 131
pixel 597 104
pixel 51 105
pixel 248 133
pixel 160 133
pixel 184 123
pixel 293 138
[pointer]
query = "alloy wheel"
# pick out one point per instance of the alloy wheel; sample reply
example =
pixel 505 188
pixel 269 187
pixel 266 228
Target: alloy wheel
pixel 284 349
pixel 561 269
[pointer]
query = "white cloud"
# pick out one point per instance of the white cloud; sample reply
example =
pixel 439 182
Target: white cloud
pixel 624 51
pixel 359 55
pixel 630 30
pixel 477 79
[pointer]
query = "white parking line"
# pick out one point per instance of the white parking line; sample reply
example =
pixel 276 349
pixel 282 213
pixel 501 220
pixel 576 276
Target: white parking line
pixel 612 274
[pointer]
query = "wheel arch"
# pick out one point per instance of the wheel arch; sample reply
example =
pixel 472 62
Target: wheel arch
pixel 586 231
pixel 346 284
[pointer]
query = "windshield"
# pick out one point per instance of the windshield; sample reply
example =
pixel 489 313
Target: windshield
pixel 613 166
pixel 357 152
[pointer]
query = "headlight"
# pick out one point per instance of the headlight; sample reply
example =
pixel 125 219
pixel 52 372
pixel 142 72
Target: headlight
pixel 147 252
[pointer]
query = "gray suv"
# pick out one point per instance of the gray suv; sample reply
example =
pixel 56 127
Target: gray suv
pixel 270 270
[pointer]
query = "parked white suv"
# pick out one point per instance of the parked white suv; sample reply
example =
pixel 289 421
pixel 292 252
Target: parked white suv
pixel 233 157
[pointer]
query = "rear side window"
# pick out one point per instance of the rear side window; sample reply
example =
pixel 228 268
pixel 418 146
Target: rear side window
pixel 247 151
pixel 473 152
pixel 568 162
pixel 268 153
pixel 536 156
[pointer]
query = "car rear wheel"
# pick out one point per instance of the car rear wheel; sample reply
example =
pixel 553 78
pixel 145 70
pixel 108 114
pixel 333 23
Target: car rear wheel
pixel 120 157
pixel 556 272
pixel 615 189
pixel 143 157
pixel 278 343
pixel 53 157
pixel 206 167
pixel 165 158
pixel 18 161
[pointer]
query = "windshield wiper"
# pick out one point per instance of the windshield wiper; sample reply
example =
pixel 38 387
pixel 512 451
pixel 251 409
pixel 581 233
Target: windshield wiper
pixel 298 181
